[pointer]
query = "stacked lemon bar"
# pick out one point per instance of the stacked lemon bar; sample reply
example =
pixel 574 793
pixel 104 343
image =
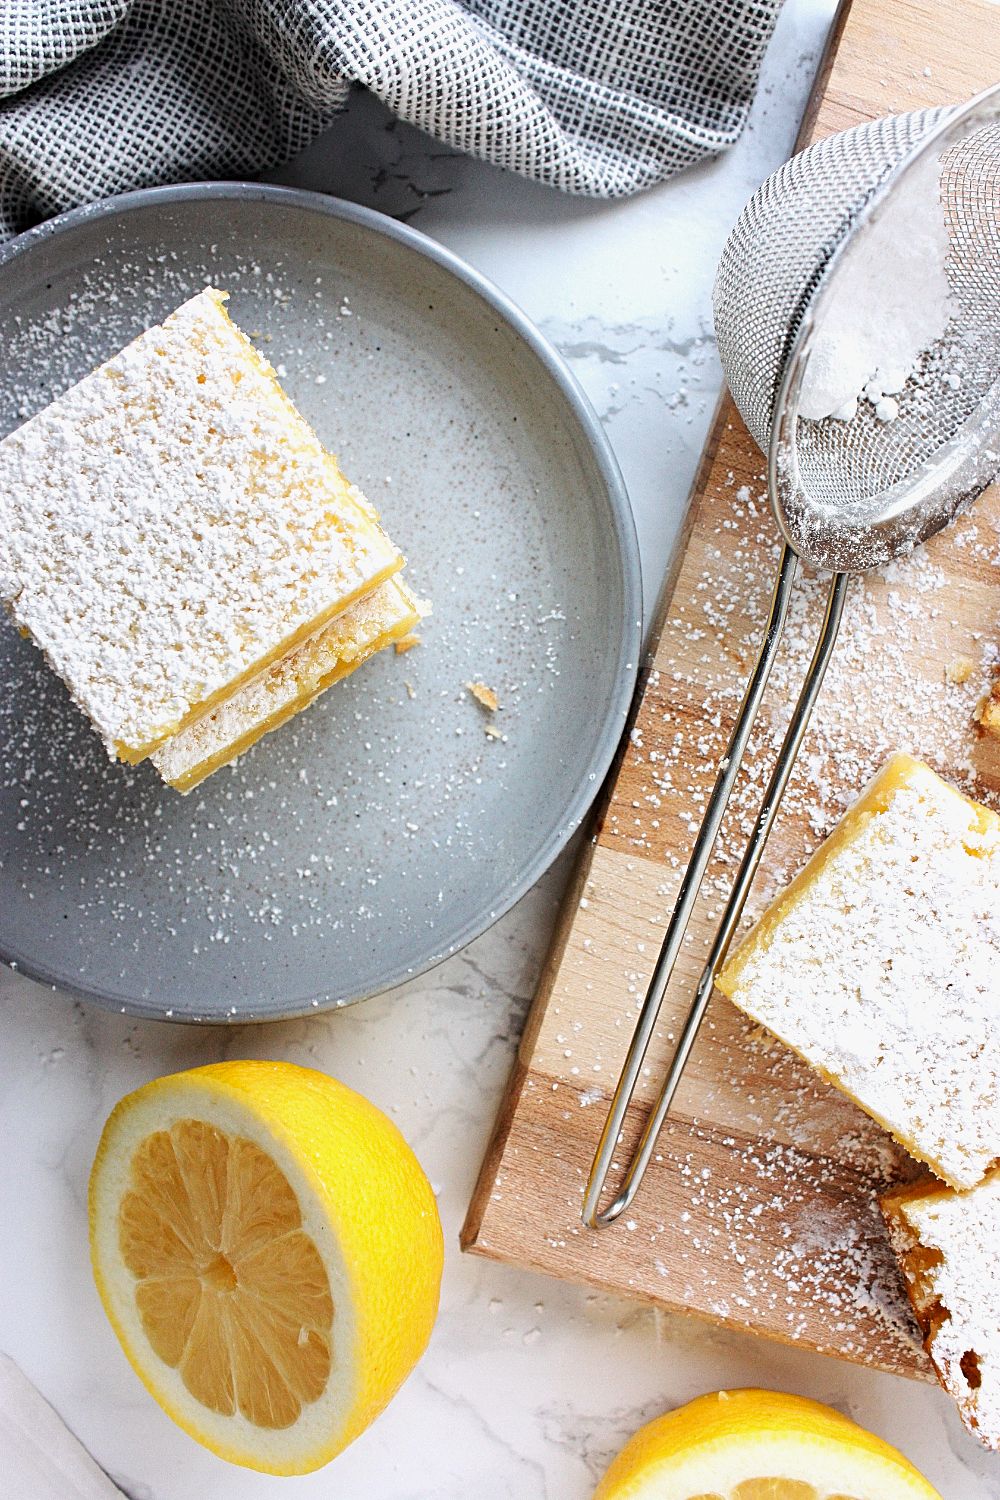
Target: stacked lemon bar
pixel 188 556
pixel 880 965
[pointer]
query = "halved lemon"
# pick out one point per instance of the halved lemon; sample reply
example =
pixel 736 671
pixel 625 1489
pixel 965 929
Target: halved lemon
pixel 269 1254
pixel 759 1445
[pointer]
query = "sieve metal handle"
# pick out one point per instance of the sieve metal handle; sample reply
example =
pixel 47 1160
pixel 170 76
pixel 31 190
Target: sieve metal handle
pixel 708 833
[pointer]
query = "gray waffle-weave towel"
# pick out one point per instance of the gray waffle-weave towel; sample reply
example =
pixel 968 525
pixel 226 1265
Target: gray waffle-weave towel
pixel 593 96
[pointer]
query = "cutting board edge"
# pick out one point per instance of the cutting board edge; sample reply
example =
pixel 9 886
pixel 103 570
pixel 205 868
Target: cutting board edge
pixel 482 1248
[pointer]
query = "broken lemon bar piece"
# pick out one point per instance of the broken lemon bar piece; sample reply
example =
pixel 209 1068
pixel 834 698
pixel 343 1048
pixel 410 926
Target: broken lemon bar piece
pixel 382 617
pixel 171 525
pixel 989 713
pixel 946 1244
pixel 879 966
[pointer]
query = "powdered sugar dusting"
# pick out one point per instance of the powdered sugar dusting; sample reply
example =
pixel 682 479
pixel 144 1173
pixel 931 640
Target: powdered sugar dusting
pixel 892 302
pixel 887 687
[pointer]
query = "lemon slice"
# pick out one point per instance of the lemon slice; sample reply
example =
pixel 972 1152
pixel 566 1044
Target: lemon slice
pixel 269 1254
pixel 759 1445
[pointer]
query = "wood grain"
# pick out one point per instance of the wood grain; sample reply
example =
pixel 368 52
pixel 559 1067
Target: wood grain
pixel 758 1211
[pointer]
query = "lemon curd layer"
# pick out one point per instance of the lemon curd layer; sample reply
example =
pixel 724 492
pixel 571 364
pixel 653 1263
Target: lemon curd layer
pixel 171 526
pixel 287 687
pixel 879 966
pixel 946 1243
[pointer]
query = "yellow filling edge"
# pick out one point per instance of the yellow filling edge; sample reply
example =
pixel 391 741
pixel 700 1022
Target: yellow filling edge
pixel 343 668
pixel 132 755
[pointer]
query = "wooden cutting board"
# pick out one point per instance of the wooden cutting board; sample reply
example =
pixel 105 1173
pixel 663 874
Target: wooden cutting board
pixel 758 1211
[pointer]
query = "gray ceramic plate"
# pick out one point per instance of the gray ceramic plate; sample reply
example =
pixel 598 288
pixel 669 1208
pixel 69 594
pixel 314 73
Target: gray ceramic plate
pixel 382 829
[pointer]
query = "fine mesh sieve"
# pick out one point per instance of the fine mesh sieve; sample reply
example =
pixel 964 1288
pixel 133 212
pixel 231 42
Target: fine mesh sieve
pixel 848 494
pixel 852 494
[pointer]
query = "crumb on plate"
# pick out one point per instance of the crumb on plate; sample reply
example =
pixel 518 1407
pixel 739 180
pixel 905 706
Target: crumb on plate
pixel 484 696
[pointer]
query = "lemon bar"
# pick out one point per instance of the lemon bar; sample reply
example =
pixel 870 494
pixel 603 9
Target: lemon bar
pixel 382 617
pixel 171 525
pixel 879 965
pixel 946 1243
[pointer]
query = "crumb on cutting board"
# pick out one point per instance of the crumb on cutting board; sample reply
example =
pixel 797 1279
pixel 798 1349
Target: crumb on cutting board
pixel 407 643
pixel 959 670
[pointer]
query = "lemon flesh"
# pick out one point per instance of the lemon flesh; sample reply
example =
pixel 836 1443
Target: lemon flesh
pixel 759 1445
pixel 269 1254
pixel 229 1288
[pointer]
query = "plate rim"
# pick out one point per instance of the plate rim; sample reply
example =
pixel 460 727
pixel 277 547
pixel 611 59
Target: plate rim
pixel 616 713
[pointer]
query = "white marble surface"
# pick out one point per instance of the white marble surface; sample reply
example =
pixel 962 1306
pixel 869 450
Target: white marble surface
pixel 529 1386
